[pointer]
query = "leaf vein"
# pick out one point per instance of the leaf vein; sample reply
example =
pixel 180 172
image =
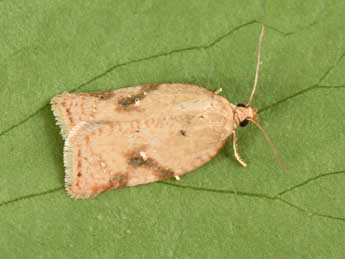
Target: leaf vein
pixel 312 179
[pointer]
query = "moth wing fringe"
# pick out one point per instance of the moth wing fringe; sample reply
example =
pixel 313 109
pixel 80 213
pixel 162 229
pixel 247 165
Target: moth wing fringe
pixel 74 137
pixel 59 116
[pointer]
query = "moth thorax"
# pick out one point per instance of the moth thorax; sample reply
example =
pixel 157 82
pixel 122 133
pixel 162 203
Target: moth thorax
pixel 244 114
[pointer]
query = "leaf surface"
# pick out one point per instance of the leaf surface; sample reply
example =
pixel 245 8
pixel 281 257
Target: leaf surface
pixel 220 210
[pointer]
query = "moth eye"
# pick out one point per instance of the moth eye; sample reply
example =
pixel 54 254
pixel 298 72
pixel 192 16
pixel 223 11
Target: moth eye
pixel 244 123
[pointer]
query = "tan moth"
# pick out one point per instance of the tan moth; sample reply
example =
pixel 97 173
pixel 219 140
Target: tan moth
pixel 143 134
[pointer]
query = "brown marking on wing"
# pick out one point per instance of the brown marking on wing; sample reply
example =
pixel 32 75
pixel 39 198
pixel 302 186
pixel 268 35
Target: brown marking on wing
pixel 103 95
pixel 127 103
pixel 69 115
pixel 183 132
pixel 118 181
pixel 136 160
pixel 130 100
pixel 163 173
pixel 78 170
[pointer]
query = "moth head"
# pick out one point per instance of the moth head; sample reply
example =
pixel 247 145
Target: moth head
pixel 244 114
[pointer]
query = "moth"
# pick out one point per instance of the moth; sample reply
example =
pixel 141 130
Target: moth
pixel 146 133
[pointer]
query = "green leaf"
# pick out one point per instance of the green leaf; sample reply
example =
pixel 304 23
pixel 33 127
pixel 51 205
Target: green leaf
pixel 220 210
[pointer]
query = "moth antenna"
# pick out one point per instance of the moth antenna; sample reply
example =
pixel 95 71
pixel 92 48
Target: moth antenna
pixel 274 149
pixel 257 65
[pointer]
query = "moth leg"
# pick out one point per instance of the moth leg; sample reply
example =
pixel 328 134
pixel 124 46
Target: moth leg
pixel 234 146
pixel 218 91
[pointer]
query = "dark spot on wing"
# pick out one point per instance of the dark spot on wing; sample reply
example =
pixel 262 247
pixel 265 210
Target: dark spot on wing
pixel 136 160
pixel 164 173
pixel 103 95
pixel 126 101
pixel 183 133
pixel 161 172
pixel 79 163
pixel 69 114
